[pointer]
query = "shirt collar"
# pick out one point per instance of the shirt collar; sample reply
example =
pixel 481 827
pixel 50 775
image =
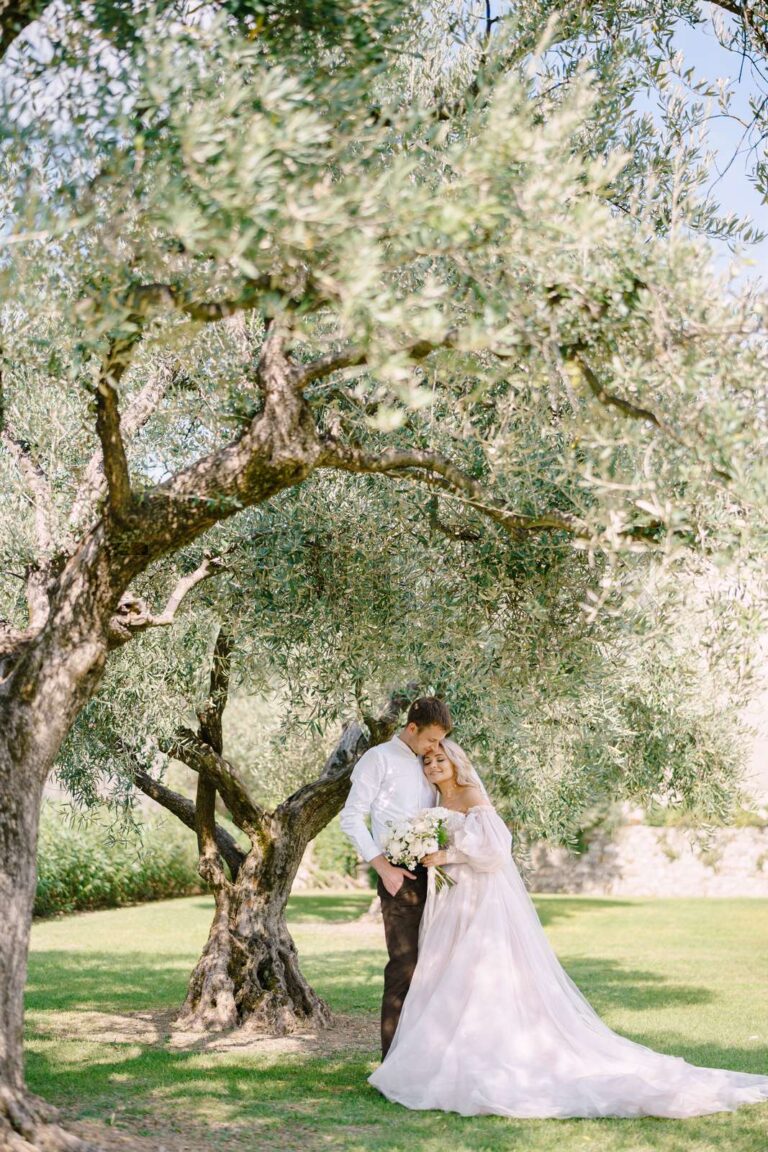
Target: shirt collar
pixel 404 747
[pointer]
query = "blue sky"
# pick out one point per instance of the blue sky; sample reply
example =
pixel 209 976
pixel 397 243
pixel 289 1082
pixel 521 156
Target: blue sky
pixel 732 187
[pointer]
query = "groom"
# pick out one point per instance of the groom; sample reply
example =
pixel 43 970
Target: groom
pixel 388 785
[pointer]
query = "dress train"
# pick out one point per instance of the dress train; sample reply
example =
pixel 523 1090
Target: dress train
pixel 493 1024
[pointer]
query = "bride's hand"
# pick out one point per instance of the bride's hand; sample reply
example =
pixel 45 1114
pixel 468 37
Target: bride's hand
pixel 435 859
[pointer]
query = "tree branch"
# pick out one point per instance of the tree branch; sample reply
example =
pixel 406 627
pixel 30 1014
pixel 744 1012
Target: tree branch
pixel 184 810
pixel 210 566
pixel 280 382
pixel 210 715
pixel 210 718
pixel 431 469
pixel 326 365
pixel 277 450
pixel 466 535
pixel 635 411
pixel 136 415
pixel 144 298
pixel 381 728
pixel 332 362
pixel 626 407
pixel 139 304
pixel 134 616
pixel 200 757
pixel 309 809
pixel 114 459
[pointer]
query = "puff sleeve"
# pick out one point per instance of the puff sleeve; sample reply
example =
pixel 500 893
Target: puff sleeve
pixel 483 841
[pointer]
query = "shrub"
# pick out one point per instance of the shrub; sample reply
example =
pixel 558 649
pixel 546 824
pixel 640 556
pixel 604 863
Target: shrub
pixel 333 854
pixel 82 865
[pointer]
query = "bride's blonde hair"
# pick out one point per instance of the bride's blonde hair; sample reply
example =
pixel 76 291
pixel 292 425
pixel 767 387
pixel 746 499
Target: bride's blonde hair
pixel 466 773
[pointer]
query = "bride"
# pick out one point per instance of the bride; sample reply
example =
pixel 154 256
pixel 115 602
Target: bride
pixel 492 1023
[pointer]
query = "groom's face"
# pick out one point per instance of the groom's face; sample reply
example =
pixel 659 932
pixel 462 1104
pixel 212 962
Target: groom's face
pixel 424 740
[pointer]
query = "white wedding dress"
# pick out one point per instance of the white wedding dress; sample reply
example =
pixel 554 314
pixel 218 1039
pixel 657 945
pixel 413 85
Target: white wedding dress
pixel 492 1023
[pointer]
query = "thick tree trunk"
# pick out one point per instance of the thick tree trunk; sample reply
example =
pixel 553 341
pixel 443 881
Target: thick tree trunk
pixel 26 1122
pixel 39 700
pixel 248 974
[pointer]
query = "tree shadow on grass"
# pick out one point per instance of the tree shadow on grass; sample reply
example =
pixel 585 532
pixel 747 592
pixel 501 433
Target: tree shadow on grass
pixel 269 1099
pixel 265 1098
pixel 550 909
pixel 350 979
pixel 607 984
pixel 327 1103
pixel 104 981
pixel 307 908
pixel 60 981
pixel 604 982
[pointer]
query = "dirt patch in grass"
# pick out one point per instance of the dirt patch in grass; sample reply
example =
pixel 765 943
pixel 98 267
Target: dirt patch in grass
pixel 165 1131
pixel 155 1029
pixel 160 1136
pixel 346 1033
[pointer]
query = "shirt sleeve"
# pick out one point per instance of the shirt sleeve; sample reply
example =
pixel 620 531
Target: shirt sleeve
pixel 484 842
pixel 366 781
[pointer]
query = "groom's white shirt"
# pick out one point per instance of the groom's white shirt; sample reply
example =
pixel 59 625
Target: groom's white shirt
pixel 388 785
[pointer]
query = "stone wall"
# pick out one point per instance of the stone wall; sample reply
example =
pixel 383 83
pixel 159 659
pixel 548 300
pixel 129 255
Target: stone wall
pixel 639 860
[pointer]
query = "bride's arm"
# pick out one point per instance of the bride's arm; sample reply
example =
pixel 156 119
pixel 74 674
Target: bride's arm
pixel 444 856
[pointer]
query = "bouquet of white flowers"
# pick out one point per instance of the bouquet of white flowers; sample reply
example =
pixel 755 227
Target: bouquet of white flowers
pixel 409 840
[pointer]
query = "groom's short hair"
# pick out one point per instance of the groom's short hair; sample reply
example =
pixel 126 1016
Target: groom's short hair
pixel 430 710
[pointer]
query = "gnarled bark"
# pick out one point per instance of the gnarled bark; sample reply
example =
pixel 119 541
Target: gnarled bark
pixel 249 971
pixel 26 1122
pixel 249 974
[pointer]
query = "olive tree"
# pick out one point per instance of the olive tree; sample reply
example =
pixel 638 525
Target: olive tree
pixel 309 622
pixel 237 260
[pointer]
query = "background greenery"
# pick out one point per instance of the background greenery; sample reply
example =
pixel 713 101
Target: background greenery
pixel 85 863
pixel 91 861
pixel 405 180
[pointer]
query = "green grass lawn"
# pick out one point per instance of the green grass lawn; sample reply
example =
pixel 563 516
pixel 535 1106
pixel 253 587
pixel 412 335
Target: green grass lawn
pixel 688 977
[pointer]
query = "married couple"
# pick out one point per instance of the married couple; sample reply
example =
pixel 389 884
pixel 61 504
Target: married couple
pixel 478 1016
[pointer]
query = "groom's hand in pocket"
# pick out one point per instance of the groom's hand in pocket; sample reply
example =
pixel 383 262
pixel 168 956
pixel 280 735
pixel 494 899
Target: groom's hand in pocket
pixel 391 877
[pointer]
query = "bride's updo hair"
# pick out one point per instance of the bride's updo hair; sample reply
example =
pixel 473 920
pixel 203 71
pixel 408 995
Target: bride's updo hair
pixel 466 773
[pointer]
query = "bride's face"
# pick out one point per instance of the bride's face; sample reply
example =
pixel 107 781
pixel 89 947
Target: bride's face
pixel 438 769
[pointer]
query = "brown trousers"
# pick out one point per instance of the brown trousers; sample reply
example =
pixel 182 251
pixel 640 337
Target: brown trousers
pixel 402 916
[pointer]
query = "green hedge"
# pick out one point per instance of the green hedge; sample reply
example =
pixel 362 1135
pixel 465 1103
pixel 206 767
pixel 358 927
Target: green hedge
pixel 333 853
pixel 79 867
